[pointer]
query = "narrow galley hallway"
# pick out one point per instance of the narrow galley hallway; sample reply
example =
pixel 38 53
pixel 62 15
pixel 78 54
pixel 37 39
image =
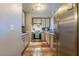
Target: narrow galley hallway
pixel 39 29
pixel 38 49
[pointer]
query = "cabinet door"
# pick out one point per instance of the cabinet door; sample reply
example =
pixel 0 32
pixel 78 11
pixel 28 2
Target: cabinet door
pixel 47 23
pixel 43 23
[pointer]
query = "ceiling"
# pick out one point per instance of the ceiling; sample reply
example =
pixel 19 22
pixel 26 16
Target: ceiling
pixel 48 8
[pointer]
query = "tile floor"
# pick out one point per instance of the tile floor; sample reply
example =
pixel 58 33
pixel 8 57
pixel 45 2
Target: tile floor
pixel 38 49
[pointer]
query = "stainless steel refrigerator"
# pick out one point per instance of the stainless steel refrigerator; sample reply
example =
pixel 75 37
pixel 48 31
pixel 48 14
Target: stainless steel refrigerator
pixel 67 30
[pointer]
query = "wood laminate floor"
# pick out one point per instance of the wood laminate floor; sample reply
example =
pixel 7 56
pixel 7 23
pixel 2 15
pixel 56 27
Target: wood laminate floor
pixel 38 49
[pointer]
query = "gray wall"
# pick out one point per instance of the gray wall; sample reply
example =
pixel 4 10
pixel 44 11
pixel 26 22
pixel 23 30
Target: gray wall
pixel 10 29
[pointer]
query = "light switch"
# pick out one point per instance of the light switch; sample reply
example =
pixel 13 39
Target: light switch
pixel 11 27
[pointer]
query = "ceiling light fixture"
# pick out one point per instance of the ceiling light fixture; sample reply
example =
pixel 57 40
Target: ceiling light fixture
pixel 38 7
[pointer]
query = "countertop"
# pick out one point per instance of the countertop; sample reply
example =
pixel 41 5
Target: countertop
pixel 24 34
pixel 51 33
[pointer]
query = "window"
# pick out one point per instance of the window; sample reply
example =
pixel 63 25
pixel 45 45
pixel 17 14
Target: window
pixel 42 21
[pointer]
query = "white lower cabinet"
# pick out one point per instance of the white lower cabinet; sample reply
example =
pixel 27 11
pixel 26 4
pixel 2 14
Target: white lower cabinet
pixel 25 39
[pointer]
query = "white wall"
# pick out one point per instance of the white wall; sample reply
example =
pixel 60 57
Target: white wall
pixel 10 38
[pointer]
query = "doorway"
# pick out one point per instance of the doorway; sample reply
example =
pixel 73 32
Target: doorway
pixel 40 25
